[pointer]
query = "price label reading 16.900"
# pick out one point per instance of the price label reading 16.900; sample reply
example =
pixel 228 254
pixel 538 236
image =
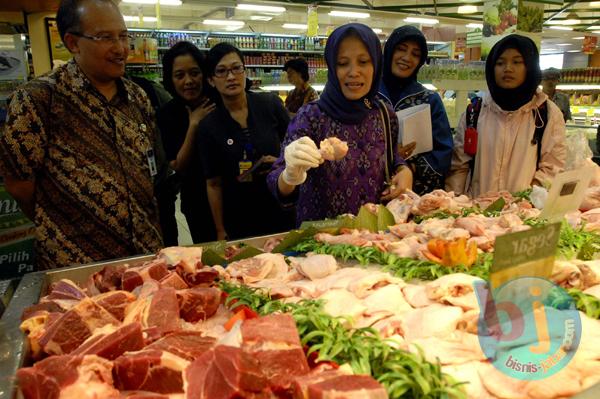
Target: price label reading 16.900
pixel 542 239
pixel 526 246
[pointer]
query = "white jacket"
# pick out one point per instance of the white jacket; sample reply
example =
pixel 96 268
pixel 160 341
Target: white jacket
pixel 506 158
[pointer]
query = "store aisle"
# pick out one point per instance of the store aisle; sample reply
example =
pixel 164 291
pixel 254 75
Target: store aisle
pixel 185 238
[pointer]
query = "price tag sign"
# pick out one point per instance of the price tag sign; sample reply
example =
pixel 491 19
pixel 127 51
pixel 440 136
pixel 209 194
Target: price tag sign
pixel 566 193
pixel 527 253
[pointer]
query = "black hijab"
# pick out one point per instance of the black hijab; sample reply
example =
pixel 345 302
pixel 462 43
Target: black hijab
pixel 394 84
pixel 332 100
pixel 513 99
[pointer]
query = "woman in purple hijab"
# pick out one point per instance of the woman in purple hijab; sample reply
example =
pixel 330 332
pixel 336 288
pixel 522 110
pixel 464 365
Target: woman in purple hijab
pixel 349 110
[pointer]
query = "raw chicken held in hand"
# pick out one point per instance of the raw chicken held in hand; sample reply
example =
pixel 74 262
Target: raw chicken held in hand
pixel 333 149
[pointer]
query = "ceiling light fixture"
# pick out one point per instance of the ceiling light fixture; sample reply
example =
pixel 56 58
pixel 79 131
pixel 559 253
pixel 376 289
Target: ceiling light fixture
pixel 436 42
pixel 467 9
pixel 564 44
pixel 474 26
pixel 349 14
pixel 377 30
pixel 594 4
pixel 578 38
pixel 223 22
pixel 133 18
pixel 260 18
pixel 162 2
pixel 424 21
pixel 573 51
pixel 261 8
pixel 593 27
pixel 560 28
pixel 294 26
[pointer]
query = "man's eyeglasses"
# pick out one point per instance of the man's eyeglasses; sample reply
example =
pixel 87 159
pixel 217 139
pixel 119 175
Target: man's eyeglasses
pixel 107 40
pixel 236 70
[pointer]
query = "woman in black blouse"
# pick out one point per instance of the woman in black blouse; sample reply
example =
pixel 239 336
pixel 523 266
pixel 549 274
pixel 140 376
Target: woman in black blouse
pixel 178 121
pixel 238 143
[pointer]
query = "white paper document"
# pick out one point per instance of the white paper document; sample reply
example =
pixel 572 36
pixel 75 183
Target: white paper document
pixel 415 125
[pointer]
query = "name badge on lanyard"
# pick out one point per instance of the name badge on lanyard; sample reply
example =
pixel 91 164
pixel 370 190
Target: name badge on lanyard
pixel 246 164
pixel 151 162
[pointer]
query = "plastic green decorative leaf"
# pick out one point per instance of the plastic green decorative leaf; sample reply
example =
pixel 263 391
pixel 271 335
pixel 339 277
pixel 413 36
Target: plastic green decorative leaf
pixel 248 252
pixel 293 238
pixel 365 220
pixel 384 218
pixel 210 258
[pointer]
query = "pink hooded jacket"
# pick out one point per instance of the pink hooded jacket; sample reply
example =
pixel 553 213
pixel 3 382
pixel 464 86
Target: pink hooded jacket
pixel 506 158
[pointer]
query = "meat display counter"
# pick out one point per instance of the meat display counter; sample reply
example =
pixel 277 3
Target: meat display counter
pixel 14 347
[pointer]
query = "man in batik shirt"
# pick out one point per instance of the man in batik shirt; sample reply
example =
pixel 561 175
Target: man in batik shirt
pixel 79 149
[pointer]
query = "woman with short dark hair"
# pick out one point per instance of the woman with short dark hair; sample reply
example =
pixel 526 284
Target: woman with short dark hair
pixel 297 74
pixel 178 120
pixel 238 143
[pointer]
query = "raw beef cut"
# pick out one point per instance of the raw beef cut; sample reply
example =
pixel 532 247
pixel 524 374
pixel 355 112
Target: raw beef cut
pixel 198 303
pixel 74 327
pixel 157 311
pixel 107 279
pixel 41 308
pixel 188 259
pixel 173 280
pixel 225 372
pixel 273 340
pixel 347 387
pixel 115 302
pixel 68 377
pixel 111 342
pixel 188 345
pixel 205 275
pixel 150 370
pixel 65 289
pixel 135 276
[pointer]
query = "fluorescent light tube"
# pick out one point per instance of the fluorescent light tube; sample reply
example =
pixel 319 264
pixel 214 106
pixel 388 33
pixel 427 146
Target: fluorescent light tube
pixel 223 22
pixel 260 18
pixel 474 26
pixel 467 9
pixel 377 30
pixel 261 8
pixel 133 18
pixel 294 26
pixel 162 2
pixel 424 21
pixel 349 14
pixel 560 28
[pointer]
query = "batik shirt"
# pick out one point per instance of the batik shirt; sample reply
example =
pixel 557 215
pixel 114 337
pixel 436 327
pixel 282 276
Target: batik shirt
pixel 297 98
pixel 338 187
pixel 89 160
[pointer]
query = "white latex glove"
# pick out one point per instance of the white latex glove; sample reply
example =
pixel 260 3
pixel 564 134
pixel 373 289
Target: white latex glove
pixel 300 155
pixel 538 196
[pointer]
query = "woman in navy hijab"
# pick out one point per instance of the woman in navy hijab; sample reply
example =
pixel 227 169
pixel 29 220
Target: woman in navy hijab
pixel 349 110
pixel 404 54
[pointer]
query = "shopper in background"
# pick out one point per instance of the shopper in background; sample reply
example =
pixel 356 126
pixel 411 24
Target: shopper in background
pixel 80 149
pixel 349 110
pixel 503 138
pixel 178 121
pixel 297 74
pixel 550 78
pixel 404 54
pixel 238 143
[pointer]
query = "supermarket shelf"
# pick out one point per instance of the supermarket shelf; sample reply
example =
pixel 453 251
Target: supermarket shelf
pixel 578 86
pixel 260 50
pixel 280 87
pixel 263 66
pixel 470 85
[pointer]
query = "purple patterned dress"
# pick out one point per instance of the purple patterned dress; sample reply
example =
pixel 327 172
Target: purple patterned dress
pixel 341 186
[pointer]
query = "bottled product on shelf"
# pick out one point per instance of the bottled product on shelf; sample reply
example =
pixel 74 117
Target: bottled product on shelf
pixel 452 70
pixel 580 75
pixel 280 60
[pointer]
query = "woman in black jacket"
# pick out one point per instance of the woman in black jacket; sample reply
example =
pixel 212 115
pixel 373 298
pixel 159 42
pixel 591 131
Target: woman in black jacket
pixel 238 143
pixel 178 120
